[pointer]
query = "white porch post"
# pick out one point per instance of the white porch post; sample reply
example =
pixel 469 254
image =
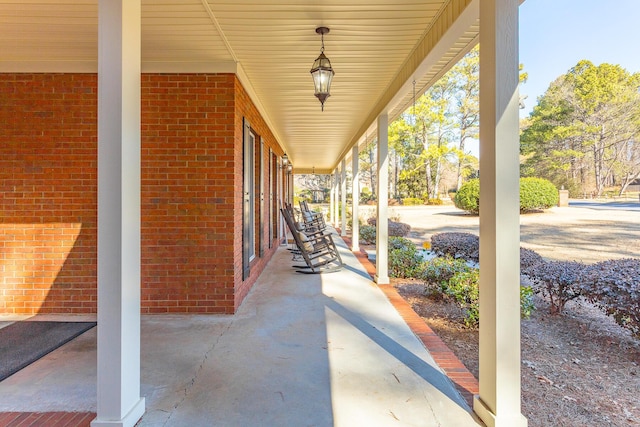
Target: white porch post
pixel 355 199
pixel 281 203
pixel 336 196
pixel 343 195
pixel 332 189
pixel 382 226
pixel 500 396
pixel 291 187
pixel 119 401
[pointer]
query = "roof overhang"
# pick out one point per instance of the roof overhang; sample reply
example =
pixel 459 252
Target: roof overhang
pixel 377 49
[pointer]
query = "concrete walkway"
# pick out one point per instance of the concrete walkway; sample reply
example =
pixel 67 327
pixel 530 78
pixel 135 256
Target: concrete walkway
pixel 303 350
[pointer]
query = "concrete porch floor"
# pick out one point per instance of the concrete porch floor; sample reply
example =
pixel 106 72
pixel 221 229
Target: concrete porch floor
pixel 303 350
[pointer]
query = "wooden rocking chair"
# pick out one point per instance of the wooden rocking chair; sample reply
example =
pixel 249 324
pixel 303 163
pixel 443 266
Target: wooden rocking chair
pixel 314 220
pixel 316 247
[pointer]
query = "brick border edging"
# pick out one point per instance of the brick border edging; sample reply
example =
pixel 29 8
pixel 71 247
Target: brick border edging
pixel 464 380
pixel 46 419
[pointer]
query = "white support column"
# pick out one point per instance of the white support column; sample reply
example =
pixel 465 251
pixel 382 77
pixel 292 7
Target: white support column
pixel 332 199
pixel 343 194
pixel 278 175
pixel 290 186
pixel 336 196
pixel 498 404
pixel 382 227
pixel 119 401
pixel 355 199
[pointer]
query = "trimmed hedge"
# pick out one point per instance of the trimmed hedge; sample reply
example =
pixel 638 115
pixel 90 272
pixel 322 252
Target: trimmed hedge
pixel 528 259
pixel 412 201
pixel 468 196
pixel 467 246
pixel 535 194
pixel 558 281
pixel 614 286
pixel 396 229
pixel 457 245
pixel 434 202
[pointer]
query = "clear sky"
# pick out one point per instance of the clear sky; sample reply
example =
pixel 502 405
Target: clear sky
pixel 556 34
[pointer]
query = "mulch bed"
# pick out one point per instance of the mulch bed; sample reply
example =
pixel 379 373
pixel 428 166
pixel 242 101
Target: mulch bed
pixel 578 369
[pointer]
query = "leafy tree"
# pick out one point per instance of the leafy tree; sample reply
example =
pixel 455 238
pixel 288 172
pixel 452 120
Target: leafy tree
pixel 467 109
pixel 405 151
pixel 425 141
pixel 315 185
pixel 429 140
pixel 584 132
pixel 435 126
pixel 368 165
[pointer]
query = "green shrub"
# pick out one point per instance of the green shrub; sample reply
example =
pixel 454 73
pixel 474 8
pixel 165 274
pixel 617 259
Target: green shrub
pixel 368 234
pixel 467 246
pixel 434 202
pixel 397 229
pixel 452 278
pixel 526 301
pixel 457 245
pixel 412 201
pixel 468 196
pixel 558 281
pixel 463 288
pixel 401 243
pixel 614 286
pixel 437 271
pixel 528 259
pixel 366 195
pixel 404 258
pixel 537 193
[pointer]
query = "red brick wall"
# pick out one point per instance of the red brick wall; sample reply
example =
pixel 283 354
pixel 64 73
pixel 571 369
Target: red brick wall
pixel 191 193
pixel 188 165
pixel 48 193
pixel 246 108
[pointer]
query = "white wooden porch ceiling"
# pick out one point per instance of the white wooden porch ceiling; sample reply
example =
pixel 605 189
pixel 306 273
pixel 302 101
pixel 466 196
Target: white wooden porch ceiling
pixel 376 47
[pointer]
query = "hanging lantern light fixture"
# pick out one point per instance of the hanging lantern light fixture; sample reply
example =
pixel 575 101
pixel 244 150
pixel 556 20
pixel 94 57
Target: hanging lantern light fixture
pixel 322 72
